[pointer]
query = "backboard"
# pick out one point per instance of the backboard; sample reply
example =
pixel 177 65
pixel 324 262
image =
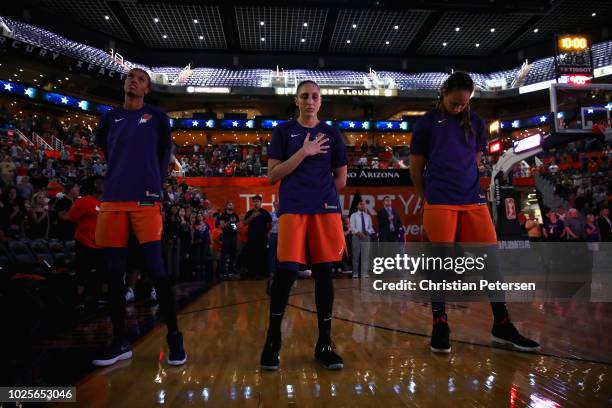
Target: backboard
pixel 578 109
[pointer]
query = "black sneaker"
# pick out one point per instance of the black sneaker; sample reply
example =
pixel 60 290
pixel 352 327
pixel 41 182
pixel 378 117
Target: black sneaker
pixel 325 353
pixel 119 349
pixel 440 336
pixel 176 353
pixel 269 356
pixel 506 333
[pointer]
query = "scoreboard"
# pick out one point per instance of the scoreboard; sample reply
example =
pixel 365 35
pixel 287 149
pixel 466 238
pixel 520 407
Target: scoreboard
pixel 573 55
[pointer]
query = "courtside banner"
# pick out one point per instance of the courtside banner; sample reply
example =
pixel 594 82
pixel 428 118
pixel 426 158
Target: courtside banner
pixel 464 272
pixel 240 190
pixel 376 177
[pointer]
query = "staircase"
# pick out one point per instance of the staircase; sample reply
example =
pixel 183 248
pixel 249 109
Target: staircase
pixel 547 191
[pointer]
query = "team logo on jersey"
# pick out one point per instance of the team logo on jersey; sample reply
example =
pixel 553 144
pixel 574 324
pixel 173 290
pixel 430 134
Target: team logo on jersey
pixel 145 118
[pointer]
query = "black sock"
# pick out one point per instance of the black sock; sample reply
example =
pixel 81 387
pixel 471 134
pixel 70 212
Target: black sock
pixel 117 268
pixel 324 299
pixel 500 312
pixel 167 303
pixel 438 310
pixel 279 297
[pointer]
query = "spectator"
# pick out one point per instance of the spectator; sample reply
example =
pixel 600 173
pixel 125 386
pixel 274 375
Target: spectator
pixel 554 230
pixel 591 232
pixel 38 215
pixel 64 229
pixel 259 223
pixel 229 223
pixel 534 231
pixel 604 225
pixel 172 242
pixel 389 222
pixel 216 243
pixel 574 227
pixel 361 228
pixel 200 243
pixel 90 261
pixel 13 213
pixel 25 188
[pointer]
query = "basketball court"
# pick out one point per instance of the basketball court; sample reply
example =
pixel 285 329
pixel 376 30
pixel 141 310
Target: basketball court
pixel 386 353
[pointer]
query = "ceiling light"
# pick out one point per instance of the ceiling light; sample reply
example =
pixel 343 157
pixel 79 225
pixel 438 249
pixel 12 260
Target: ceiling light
pixel 477 45
pixel 354 25
pixel 457 29
pixel 66 78
pixel 106 17
pixel 40 75
pixel 348 41
pixel 444 44
pixel 261 23
pixel 20 70
pixel 195 21
pixel 303 40
pixel 535 30
pixel 164 36
pixel 156 20
pixel 387 42
pixel 594 14
pixel 305 24
pixel 493 30
pixel 14 74
pixel 263 39
pixel 396 27
pixel 201 37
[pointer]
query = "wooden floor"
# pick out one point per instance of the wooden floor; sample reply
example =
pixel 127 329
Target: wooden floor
pixel 385 347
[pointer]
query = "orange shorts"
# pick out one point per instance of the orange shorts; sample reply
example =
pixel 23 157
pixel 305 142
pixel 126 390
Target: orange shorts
pixel 459 223
pixel 310 238
pixel 116 218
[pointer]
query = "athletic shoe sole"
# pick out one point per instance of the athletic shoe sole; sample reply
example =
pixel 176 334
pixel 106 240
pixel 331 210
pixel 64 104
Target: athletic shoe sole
pixel 269 368
pixel 516 346
pixel 337 366
pixel 440 351
pixel 104 363
pixel 177 362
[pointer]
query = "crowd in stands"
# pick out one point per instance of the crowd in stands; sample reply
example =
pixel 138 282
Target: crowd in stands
pixel 224 160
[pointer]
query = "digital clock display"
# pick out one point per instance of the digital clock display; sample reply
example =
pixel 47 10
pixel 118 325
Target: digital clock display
pixel 573 43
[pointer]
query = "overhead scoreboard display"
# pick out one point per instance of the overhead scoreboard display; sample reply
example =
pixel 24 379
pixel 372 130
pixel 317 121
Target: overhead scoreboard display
pixel 573 56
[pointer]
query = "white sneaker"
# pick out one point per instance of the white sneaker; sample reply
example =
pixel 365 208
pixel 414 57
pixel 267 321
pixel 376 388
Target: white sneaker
pixel 129 295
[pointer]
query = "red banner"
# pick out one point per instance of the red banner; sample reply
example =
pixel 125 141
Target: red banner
pixel 404 200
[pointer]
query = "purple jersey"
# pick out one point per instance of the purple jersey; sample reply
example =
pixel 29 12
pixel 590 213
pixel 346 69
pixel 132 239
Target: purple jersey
pixel 137 146
pixel 310 188
pixel 451 173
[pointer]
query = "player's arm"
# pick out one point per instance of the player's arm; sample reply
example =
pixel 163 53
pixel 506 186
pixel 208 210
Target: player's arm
pixel 102 134
pixel 340 177
pixel 417 165
pixel 277 170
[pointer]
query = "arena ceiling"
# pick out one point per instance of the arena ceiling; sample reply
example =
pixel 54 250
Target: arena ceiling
pixel 476 28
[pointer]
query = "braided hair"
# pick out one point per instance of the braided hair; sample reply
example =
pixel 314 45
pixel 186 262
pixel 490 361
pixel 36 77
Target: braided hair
pixel 459 81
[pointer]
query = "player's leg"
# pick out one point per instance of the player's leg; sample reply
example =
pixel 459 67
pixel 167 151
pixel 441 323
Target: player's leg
pixel 326 245
pixel 147 226
pixel 291 252
pixel 476 226
pixel 112 232
pixel 440 224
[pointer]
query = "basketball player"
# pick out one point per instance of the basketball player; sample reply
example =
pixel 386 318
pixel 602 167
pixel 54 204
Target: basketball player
pixel 446 148
pixel 309 158
pixel 137 145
